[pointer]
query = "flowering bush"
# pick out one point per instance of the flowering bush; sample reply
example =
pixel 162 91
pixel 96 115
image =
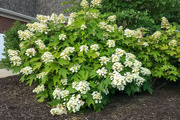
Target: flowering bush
pixel 77 65
pixel 158 52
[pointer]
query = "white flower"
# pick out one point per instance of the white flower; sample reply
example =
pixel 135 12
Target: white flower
pixel 117 67
pixel 75 68
pixel 83 26
pixel 66 51
pixel 41 75
pixel 110 43
pixel 62 37
pixel 112 18
pixel 130 56
pixel 82 86
pixel 84 3
pixel 105 35
pixel 97 97
pixel 73 15
pixel 128 63
pixel 16 60
pixel 129 33
pixel 64 93
pixel 137 63
pixel 138 34
pixel 27 70
pixel 106 91
pixel 39 89
pixel 64 81
pixel 173 43
pixel 84 48
pixel 57 93
pixel 54 17
pixel 156 35
pixel 103 60
pixel 102 25
pixel 119 52
pixel 12 53
pixel 115 58
pixel 139 81
pixel 25 34
pixel 145 71
pixel 102 72
pixel 96 2
pixel 165 24
pixel 117 80
pixel 47 57
pixel 42 18
pixel 128 77
pixel 97 53
pixel 61 18
pixel 40 44
pixel 39 27
pixel 94 47
pixel 109 28
pixel 70 21
pixel 145 44
pixel 30 52
pixel 135 69
pixel 59 110
pixel 74 103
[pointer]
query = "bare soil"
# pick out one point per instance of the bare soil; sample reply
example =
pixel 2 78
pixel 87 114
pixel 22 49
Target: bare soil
pixel 17 102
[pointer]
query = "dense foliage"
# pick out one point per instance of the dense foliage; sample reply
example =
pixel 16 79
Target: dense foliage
pixel 136 13
pixel 11 41
pixel 80 64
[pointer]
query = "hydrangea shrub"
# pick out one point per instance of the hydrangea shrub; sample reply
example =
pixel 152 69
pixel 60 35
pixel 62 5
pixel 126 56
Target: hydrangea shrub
pixel 80 64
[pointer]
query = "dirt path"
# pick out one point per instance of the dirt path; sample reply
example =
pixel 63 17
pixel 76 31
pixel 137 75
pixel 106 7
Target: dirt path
pixel 17 102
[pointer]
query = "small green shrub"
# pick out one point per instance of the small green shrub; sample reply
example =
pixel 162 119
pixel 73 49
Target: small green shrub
pixel 80 64
pixel 11 41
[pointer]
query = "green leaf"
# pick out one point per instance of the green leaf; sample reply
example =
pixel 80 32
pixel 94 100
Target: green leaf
pixel 63 62
pixel 106 82
pixel 63 72
pixel 30 79
pixel 16 69
pixel 56 80
pixel 34 59
pixel 37 65
pixel 92 74
pixel 71 90
pixel 100 86
pixel 42 96
pixel 147 86
pixel 23 78
pixel 89 99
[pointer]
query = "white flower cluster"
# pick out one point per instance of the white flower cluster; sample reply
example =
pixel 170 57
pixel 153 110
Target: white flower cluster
pixel 94 47
pixel 40 44
pixel 117 67
pixel 94 15
pixel 119 52
pixel 106 91
pixel 64 81
pixel 47 57
pixel 42 18
pixel 102 25
pixel 103 60
pixel 38 89
pixel 58 93
pixel 30 52
pixel 14 58
pixel 102 72
pixel 27 70
pixel 112 18
pixel 26 34
pixel 156 35
pixel 165 24
pixel 84 3
pixel 118 81
pixel 173 43
pixel 115 58
pixel 130 56
pixel 84 48
pixel 129 33
pixel 96 2
pixel 41 75
pixel 73 15
pixel 110 43
pixel 62 37
pixel 39 27
pixel 145 71
pixel 145 44
pixel 109 28
pixel 75 103
pixel 66 51
pixel 75 68
pixel 82 86
pixel 70 21
pixel 83 26
pixel 61 18
pixel 138 34
pixel 97 97
pixel 59 110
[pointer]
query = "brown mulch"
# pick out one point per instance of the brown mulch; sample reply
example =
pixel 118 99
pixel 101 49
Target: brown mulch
pixel 17 102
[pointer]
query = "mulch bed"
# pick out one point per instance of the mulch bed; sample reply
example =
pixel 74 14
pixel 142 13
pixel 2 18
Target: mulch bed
pixel 17 102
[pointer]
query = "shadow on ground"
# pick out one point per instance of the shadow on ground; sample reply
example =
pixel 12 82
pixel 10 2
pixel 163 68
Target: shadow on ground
pixel 17 102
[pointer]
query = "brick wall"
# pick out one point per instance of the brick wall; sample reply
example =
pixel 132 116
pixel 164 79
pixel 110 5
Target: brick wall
pixel 6 24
